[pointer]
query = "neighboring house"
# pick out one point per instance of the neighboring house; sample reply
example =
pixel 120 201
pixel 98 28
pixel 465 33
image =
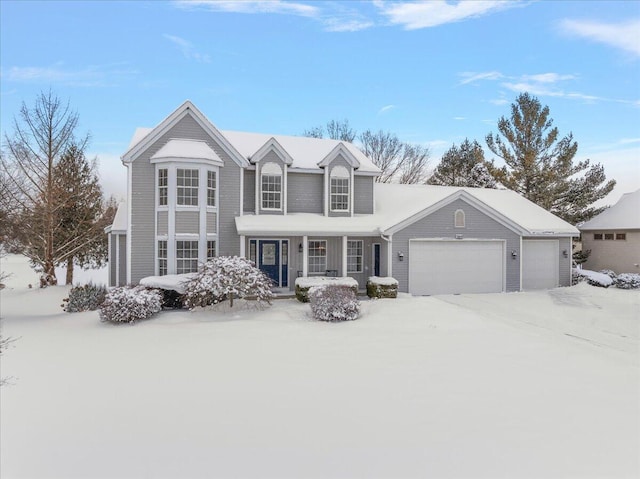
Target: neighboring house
pixel 302 206
pixel 614 237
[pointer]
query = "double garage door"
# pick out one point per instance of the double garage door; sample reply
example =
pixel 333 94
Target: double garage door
pixel 478 266
pixel 456 266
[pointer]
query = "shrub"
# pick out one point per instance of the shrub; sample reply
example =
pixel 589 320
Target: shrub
pixel 577 277
pixel 609 273
pixel 580 257
pixel 171 299
pixel 627 281
pixel 84 298
pixel 304 285
pixel 334 303
pixel 128 304
pixel 382 287
pixel 226 278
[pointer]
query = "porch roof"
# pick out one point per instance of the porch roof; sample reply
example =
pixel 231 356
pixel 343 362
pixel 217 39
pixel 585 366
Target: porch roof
pixel 307 224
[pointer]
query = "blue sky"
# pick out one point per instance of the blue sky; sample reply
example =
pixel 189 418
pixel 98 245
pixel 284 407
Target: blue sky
pixel 434 73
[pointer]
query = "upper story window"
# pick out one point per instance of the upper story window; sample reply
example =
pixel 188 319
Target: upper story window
pixel 459 219
pixel 211 188
pixel 271 182
pixel 339 189
pixel 163 187
pixel 187 187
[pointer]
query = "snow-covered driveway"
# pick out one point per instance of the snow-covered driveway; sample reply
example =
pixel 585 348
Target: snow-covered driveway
pixel 501 385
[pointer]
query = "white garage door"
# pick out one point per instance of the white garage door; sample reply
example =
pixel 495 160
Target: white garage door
pixel 458 266
pixel 540 264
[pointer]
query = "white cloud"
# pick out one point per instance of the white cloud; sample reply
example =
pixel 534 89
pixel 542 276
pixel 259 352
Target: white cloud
pixel 385 109
pixel 625 36
pixel 415 15
pixel 459 118
pixel 89 76
pixel 187 49
pixel 472 77
pixel 253 6
pixel 346 24
pixel 548 77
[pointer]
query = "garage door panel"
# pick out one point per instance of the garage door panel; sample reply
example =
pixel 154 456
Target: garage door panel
pixel 445 267
pixel 540 264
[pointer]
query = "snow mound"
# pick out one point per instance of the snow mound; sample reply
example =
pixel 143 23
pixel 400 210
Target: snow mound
pixel 597 279
pixel 312 281
pixel 175 282
pixel 383 280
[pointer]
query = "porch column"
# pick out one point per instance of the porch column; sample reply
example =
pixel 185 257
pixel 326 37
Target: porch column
pixel 305 256
pixel 243 253
pixel 344 256
pixel 117 238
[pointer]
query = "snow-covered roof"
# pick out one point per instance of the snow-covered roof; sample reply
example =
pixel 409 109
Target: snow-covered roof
pixel 400 205
pixel 120 220
pixel 193 149
pixel 138 135
pixel 625 214
pixel 306 152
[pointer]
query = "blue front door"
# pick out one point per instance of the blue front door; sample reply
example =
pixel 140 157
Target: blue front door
pixel 269 259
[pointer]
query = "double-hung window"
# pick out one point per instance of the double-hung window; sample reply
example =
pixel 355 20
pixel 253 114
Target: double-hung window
pixel 271 183
pixel 211 188
pixel 163 187
pixel 354 256
pixel 339 189
pixel 317 256
pixel 187 187
pixel 186 257
pixel 211 249
pixel 162 257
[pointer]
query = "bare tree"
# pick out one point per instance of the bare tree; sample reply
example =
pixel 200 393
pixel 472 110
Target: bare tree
pixel 41 135
pixel 385 150
pixel 414 164
pixel 335 130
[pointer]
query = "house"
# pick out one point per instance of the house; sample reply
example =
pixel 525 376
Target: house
pixel 302 206
pixel 613 237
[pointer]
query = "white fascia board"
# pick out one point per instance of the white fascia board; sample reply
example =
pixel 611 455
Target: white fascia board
pixel 315 171
pixel 340 149
pixel 187 108
pixel 272 145
pixel 365 173
pixel 190 161
pixel 490 212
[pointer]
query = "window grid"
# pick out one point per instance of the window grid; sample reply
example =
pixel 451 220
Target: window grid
pixel 162 257
pixel 186 257
pixel 187 187
pixel 459 219
pixel 163 187
pixel 339 194
pixel 211 249
pixel 317 256
pixel 271 192
pixel 211 188
pixel 354 256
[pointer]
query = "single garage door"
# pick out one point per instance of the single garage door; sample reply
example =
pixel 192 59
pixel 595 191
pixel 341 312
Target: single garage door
pixel 457 266
pixel 540 264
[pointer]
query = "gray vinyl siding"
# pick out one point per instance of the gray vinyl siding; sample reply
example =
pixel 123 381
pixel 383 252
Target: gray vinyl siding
pixel 143 200
pixel 187 222
pixel 363 195
pixel 305 193
pixel 339 161
pixel 211 222
pixel 112 259
pixel 271 157
pixel 249 198
pixel 163 222
pixel 440 224
pixel 123 259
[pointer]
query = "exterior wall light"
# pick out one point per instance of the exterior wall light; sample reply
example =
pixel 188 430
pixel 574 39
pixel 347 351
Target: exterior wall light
pixel 400 255
pixel 565 253
pixel 514 254
pixel 300 248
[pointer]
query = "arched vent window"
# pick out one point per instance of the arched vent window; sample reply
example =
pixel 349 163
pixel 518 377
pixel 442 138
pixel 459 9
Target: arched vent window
pixel 458 219
pixel 271 181
pixel 340 189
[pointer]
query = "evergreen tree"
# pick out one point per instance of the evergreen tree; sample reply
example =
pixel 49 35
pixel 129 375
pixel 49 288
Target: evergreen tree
pixel 539 164
pixel 463 166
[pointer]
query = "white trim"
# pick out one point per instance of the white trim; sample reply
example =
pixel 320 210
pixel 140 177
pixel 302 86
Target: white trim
pixel 241 210
pixel 257 190
pixel 190 161
pixel 519 263
pixel 243 246
pixel 283 193
pixel 326 191
pixel 129 226
pixel 305 256
pixel 455 219
pixel 345 241
pixel 373 257
pixel 272 145
pixel 340 148
pixel 110 259
pixel 352 188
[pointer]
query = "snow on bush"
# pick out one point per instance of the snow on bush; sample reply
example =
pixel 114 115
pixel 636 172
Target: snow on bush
pixel 128 304
pixel 594 278
pixel 334 303
pixel 227 277
pixel 303 285
pixel 609 273
pixel 628 281
pixel 85 298
pixel 382 287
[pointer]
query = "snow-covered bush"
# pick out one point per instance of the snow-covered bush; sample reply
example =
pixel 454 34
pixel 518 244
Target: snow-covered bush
pixel 334 303
pixel 382 287
pixel 85 298
pixel 304 284
pixel 128 304
pixel 627 281
pixel 594 278
pixel 226 278
pixel 609 273
pixel 577 277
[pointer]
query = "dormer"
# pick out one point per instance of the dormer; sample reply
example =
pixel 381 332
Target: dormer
pixel 271 162
pixel 339 167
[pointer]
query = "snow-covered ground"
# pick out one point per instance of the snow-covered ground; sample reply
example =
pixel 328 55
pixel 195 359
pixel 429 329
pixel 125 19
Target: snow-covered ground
pixel 542 384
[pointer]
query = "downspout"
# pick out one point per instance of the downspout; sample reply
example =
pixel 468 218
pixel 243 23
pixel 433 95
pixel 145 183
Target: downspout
pixel 389 254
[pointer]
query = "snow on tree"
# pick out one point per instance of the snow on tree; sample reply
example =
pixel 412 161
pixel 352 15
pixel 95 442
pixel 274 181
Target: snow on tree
pixel 539 164
pixel 463 166
pixel 129 304
pixel 226 278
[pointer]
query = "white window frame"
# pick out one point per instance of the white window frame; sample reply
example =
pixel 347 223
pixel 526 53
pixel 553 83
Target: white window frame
pixel 213 250
pixel 314 246
pixel 212 194
pixel 359 248
pixel 194 176
pixel 162 174
pixel 271 171
pixel 180 269
pixel 163 259
pixel 341 199
pixel 459 219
